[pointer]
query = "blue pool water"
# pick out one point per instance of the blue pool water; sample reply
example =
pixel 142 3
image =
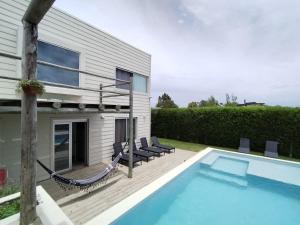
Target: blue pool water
pixel 219 194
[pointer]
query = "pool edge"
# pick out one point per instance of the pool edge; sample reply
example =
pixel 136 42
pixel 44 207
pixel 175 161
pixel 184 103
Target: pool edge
pixel 113 213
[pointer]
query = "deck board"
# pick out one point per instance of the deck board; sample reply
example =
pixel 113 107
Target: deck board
pixel 80 207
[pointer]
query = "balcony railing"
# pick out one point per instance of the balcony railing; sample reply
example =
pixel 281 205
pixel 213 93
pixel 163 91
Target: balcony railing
pixel 101 89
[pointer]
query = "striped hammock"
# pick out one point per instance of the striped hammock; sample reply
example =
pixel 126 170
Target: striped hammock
pixel 83 184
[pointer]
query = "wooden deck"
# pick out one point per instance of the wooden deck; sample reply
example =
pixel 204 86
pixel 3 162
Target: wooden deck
pixel 82 206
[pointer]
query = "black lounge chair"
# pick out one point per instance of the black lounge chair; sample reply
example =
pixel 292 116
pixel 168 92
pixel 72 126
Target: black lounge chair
pixel 125 157
pixel 155 143
pixel 145 147
pixel 244 145
pixel 143 154
pixel 271 149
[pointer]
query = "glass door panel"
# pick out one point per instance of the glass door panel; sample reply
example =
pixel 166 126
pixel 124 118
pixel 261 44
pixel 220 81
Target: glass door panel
pixel 62 146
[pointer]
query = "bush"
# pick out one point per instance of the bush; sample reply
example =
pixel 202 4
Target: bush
pixel 223 126
pixel 12 207
pixel 9 209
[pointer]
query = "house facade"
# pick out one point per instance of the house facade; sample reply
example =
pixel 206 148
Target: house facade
pixel 73 131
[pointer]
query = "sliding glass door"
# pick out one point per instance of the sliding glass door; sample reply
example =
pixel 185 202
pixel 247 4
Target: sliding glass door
pixel 62 146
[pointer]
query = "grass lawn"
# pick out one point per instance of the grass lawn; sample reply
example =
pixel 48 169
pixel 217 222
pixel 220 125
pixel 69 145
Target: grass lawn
pixel 199 147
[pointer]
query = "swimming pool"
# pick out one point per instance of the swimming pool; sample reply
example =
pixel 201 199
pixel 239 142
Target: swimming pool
pixel 223 189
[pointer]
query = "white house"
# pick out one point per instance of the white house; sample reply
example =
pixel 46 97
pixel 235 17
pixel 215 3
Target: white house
pixel 72 130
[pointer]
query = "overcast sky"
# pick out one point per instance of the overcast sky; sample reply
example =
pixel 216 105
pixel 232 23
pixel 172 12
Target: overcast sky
pixel 200 48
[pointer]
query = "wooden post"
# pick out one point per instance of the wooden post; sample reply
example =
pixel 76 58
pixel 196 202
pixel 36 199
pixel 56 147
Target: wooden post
pixel 130 166
pixel 33 15
pixel 28 128
pixel 101 95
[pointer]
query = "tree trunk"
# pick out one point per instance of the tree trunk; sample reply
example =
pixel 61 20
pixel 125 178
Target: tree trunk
pixel 28 128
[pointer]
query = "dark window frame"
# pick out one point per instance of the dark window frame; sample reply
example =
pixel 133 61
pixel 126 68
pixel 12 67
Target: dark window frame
pixel 126 129
pixel 122 73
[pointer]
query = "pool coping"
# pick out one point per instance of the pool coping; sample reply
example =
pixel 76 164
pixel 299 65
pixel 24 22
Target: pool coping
pixel 113 213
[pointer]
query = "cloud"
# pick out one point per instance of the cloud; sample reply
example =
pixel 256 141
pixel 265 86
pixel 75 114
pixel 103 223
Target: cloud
pixel 202 47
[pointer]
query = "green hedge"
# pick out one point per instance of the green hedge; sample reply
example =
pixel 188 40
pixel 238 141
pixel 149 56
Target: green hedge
pixel 223 126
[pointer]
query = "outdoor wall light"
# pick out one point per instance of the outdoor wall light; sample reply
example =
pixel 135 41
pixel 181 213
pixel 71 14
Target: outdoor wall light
pixel 118 107
pixel 101 107
pixel 81 106
pixel 56 105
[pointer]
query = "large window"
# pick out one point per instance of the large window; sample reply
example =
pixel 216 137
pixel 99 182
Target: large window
pixel 122 130
pixel 60 56
pixel 139 81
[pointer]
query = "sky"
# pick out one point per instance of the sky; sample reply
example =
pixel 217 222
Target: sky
pixel 199 48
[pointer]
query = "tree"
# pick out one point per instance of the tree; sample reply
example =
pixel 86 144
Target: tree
pixel 165 101
pixel 231 100
pixel 211 101
pixel 193 105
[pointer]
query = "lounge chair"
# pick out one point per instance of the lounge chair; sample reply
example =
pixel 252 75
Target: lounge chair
pixel 125 157
pixel 145 147
pixel 143 154
pixel 271 149
pixel 155 143
pixel 244 145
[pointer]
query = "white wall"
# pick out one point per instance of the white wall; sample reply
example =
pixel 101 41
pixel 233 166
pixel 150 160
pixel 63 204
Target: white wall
pixel 1 145
pixel 101 138
pixel 100 53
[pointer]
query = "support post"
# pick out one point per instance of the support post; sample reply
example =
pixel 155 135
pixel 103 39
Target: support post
pixel 33 15
pixel 101 94
pixel 28 128
pixel 130 166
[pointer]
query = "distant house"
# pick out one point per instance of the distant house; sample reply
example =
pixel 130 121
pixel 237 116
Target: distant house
pixel 72 130
pixel 251 104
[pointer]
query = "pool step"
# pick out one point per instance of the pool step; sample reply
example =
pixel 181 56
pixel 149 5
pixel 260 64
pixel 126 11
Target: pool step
pixel 231 165
pixel 223 177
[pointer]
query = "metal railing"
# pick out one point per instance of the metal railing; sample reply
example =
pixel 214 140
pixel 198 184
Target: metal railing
pixel 100 90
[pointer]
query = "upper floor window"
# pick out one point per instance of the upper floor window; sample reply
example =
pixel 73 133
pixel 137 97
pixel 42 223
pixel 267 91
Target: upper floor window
pixel 139 81
pixel 60 56
pixel 122 75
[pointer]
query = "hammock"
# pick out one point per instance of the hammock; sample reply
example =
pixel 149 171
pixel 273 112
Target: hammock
pixel 68 184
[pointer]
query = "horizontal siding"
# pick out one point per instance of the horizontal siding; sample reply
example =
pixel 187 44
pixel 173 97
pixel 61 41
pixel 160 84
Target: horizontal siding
pixel 8 44
pixel 101 138
pixel 103 52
